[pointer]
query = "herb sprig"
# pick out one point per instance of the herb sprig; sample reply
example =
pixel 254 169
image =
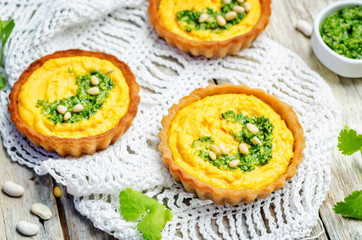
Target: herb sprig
pixel 6 27
pixel 348 143
pixel 154 216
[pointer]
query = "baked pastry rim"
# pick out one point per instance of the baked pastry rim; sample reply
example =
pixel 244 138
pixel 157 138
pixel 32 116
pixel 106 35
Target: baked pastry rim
pixel 210 48
pixel 220 195
pixel 75 146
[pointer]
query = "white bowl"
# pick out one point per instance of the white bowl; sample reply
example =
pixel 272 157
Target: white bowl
pixel 346 67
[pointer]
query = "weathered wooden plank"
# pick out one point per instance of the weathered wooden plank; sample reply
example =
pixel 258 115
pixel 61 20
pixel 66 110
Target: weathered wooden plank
pixel 13 210
pixel 2 223
pixel 346 172
pixel 78 227
pixel 346 178
pixel 319 232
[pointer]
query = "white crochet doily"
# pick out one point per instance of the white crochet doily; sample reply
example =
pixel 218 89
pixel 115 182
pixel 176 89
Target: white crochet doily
pixel 165 74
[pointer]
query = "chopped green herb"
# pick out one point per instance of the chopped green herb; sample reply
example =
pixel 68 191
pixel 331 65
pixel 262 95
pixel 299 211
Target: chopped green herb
pixel 91 103
pixel 201 140
pixel 258 154
pixel 342 32
pixel 5 31
pixel 6 27
pixel 206 139
pixel 189 19
pixel 349 142
pixel 154 215
pixel 351 206
pixel 2 81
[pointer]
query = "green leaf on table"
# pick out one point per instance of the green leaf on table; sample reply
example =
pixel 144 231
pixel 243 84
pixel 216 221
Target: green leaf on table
pixel 2 81
pixel 351 206
pixel 134 205
pixel 5 30
pixel 153 223
pixel 7 27
pixel 349 142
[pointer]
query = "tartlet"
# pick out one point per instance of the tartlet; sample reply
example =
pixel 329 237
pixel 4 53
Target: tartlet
pixel 51 79
pixel 226 183
pixel 209 48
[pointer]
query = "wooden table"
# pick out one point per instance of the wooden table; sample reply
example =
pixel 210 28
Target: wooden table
pixel 67 223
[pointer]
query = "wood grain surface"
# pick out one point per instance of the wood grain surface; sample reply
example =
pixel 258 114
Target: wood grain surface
pixel 346 172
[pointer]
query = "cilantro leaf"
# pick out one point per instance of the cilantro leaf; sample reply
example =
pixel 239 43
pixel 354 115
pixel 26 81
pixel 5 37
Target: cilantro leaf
pixel 153 223
pixel 349 142
pixel 351 207
pixel 6 27
pixel 5 30
pixel 2 81
pixel 134 205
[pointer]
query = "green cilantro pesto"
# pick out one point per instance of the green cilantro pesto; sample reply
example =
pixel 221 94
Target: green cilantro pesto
pixel 258 154
pixel 90 103
pixel 189 19
pixel 342 32
pixel 202 140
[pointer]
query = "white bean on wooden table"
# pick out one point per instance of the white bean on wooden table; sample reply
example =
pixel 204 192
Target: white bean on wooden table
pixel 67 223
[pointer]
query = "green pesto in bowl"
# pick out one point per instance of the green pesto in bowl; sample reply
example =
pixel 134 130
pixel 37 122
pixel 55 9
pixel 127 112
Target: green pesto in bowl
pixel 342 32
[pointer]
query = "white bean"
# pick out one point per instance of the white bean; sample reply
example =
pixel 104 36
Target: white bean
pixel 241 1
pixel 78 108
pixel 212 155
pixel 238 9
pixel 304 27
pixel 41 210
pixel 93 91
pixel 243 149
pixel 247 7
pixel 234 163
pixel 203 17
pixel 252 128
pixel 12 189
pixel 94 80
pixel 215 149
pixel 61 109
pixel 220 20
pixel 256 140
pixel 227 1
pixel 230 15
pixel 67 116
pixel 28 229
pixel 223 149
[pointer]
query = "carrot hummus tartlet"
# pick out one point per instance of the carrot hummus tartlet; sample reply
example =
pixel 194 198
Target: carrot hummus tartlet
pixel 74 101
pixel 231 144
pixel 211 27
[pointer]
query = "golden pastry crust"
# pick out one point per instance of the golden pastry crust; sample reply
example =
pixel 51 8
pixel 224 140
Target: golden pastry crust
pixel 210 48
pixel 75 146
pixel 220 195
